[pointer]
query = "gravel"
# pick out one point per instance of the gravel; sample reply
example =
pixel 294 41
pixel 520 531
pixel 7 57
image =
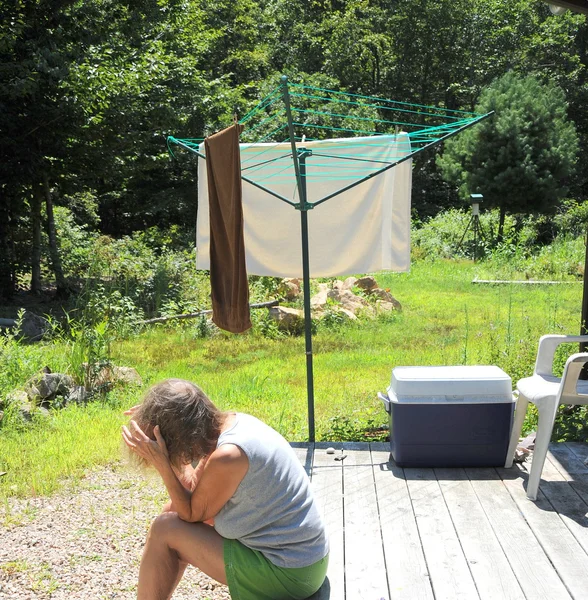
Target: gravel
pixel 86 543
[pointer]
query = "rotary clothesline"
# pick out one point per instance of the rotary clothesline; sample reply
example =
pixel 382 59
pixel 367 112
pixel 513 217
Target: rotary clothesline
pixel 294 114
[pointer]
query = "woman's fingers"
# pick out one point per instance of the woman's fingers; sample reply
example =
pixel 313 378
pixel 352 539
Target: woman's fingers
pixel 138 432
pixel 128 437
pixel 159 438
pixel 131 410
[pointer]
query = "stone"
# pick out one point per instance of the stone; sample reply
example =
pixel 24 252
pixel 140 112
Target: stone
pixel 343 311
pixel 337 285
pixel 348 300
pixel 319 300
pixel 367 283
pixel 330 450
pixel 126 375
pixel 46 386
pixel 386 296
pixel 33 327
pixel 349 283
pixel 289 288
pixel 77 395
pixel 287 319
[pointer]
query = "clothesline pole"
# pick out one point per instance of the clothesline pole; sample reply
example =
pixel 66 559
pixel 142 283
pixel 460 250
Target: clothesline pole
pixel 299 159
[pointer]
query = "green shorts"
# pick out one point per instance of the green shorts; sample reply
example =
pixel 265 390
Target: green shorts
pixel 251 576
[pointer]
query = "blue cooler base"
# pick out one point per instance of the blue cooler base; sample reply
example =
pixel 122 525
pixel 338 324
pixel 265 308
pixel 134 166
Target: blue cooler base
pixel 450 435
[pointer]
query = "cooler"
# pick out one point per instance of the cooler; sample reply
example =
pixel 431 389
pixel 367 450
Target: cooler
pixel 449 416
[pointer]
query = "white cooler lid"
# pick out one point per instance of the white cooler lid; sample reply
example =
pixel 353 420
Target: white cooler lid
pixel 455 384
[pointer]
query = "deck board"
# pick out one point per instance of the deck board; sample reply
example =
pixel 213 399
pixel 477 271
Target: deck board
pixel 433 534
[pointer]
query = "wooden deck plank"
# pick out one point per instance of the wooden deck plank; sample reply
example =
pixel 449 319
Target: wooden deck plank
pixel 572 510
pixel 408 577
pixel 557 540
pixel 579 449
pixel 489 566
pixel 327 484
pixel 450 574
pixel 365 567
pixel 533 569
pixel 571 467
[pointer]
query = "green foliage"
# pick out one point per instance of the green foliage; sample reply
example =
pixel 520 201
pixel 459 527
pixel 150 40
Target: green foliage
pixel 519 158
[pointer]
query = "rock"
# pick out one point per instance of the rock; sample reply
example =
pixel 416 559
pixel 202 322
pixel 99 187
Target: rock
pixel 287 319
pixel 109 375
pixel 337 285
pixel 78 395
pixel 343 311
pixel 126 375
pixel 17 397
pixel 349 283
pixel 28 409
pixel 367 283
pixel 348 300
pixel 385 306
pixel 386 296
pixel 46 386
pixel 289 288
pixel 33 327
pixel 319 300
pixel 330 450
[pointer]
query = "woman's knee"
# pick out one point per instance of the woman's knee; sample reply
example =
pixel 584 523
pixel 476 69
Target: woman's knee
pixel 164 525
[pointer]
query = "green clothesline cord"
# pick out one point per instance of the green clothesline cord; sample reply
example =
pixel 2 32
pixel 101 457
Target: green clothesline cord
pixel 251 129
pixel 263 104
pixel 378 106
pixel 326 114
pixel 310 87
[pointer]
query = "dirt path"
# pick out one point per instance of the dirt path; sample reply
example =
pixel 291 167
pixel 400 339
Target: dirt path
pixel 87 544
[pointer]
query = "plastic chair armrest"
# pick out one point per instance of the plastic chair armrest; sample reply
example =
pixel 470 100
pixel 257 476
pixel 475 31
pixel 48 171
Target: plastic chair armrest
pixel 547 346
pixel 571 374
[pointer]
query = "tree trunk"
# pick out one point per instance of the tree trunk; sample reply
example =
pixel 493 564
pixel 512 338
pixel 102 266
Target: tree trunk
pixel 52 235
pixel 501 224
pixel 36 204
pixel 6 254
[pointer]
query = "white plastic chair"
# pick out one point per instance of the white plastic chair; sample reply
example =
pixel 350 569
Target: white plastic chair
pixel 547 392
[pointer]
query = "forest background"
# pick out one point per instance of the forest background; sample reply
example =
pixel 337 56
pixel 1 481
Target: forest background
pixel 90 89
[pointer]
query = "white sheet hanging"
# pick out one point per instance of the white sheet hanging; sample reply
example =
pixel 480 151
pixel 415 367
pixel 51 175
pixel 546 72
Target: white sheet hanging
pixel 363 230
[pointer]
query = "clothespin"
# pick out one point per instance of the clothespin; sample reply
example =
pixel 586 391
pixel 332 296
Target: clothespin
pixel 235 119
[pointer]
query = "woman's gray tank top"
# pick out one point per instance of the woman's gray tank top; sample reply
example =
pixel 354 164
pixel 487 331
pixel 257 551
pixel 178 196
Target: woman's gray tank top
pixel 273 510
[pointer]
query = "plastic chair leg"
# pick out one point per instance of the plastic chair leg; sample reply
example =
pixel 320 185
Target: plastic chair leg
pixel 517 427
pixel 544 428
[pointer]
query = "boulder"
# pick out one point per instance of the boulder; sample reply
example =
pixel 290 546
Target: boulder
pixel 78 395
pixel 287 319
pixel 347 313
pixel 126 375
pixel 386 296
pixel 349 283
pixel 45 387
pixel 319 300
pixel 289 288
pixel 348 300
pixel 337 285
pixel 367 283
pixel 33 327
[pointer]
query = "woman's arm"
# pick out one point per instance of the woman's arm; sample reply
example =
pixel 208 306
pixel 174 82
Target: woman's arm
pixel 214 480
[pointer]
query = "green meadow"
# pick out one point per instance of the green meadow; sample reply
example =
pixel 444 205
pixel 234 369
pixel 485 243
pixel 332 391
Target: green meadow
pixel 446 320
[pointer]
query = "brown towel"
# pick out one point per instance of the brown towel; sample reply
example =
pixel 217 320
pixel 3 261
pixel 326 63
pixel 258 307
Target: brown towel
pixel 228 275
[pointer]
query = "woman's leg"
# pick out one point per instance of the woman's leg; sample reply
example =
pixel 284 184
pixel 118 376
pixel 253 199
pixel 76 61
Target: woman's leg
pixel 171 545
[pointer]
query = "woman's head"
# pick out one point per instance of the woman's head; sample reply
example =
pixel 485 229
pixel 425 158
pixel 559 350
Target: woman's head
pixel 188 421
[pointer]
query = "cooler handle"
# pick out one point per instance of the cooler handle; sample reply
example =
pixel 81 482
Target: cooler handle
pixel 384 398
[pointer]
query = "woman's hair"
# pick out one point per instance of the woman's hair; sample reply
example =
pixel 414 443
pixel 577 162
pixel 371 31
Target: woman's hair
pixel 188 421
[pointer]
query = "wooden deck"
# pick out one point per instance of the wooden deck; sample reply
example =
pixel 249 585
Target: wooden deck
pixel 450 534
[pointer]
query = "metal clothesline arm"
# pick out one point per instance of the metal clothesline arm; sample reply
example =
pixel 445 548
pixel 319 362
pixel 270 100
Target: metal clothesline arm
pixel 383 169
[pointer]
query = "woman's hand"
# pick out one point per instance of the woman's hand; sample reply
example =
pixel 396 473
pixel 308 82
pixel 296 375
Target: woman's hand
pixel 153 451
pixel 132 410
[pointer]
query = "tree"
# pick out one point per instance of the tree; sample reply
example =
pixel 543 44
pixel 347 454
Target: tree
pixel 521 158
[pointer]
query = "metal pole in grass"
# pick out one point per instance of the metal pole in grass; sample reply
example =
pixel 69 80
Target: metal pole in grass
pixel 299 158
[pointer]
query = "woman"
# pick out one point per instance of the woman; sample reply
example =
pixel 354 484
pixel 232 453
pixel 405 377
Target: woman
pixel 245 515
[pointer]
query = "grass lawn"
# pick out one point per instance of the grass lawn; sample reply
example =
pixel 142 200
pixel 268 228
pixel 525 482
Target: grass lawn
pixel 446 320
